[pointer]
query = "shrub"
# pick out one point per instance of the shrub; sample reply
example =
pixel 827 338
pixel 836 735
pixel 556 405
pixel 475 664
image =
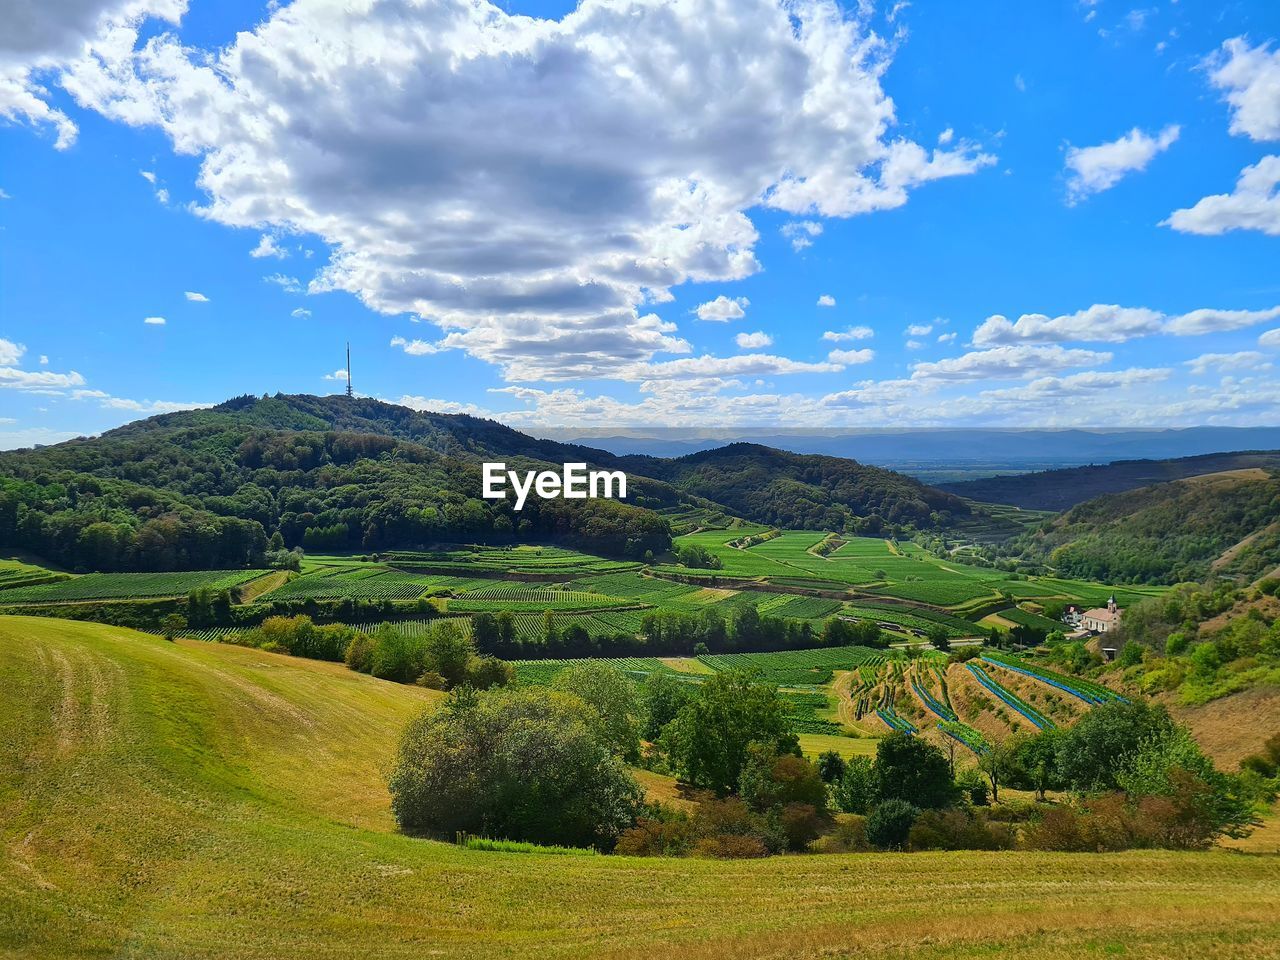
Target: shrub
pixel 889 826
pixel 830 766
pixel 959 829
pixel 731 847
pixel 801 824
pixel 849 836
pixel 513 765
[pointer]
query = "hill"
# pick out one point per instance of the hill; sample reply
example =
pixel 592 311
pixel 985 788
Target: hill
pixel 1063 489
pixel 198 800
pixel 210 488
pixel 1224 523
pixel 806 491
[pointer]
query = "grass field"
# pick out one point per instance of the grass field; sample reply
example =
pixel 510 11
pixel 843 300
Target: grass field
pixel 196 801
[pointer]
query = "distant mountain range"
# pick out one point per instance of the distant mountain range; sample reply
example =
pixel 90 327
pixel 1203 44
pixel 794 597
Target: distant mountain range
pixel 935 454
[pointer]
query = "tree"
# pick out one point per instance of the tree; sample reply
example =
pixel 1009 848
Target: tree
pixel 772 780
pixel 615 700
pixel 1094 750
pixel 856 791
pixel 889 826
pixel 912 769
pixel 831 766
pixel 1036 759
pixel 664 696
pixel 518 764
pixel 999 763
pixel 939 636
pixel 449 651
pixel 172 624
pixel 707 741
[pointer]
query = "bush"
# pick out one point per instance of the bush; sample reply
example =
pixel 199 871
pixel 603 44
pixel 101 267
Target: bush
pixel 856 791
pixel 830 766
pixel 615 700
pixel 513 765
pixel 889 826
pixel 959 829
pixel 849 836
pixel 801 824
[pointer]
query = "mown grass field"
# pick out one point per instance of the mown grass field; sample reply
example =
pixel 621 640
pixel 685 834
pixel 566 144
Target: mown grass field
pixel 197 800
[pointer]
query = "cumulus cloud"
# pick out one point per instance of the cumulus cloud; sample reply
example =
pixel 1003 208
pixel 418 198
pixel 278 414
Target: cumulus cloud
pixel 1253 205
pixel 851 357
pixel 38 381
pixel 1250 80
pixel 145 407
pixel 1111 323
pixel 529 179
pixel 41 37
pixel 285 282
pixel 1095 169
pixel 947 337
pixel 1008 363
pixel 1076 385
pixel 801 233
pixel 300 313
pixel 339 374
pixel 443 406
pixel 851 333
pixel 919 330
pixel 1270 339
pixel 154 321
pixel 723 309
pixel 196 297
pixel 1226 362
pixel 10 352
pixel 267 247
pixel 753 341
pixel 750 364
pixel 826 300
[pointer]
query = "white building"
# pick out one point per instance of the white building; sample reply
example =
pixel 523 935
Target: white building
pixel 1102 619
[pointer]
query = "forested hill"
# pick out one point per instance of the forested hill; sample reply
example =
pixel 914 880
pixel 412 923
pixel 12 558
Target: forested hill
pixel 1063 489
pixel 224 486
pixel 804 490
pixel 1225 523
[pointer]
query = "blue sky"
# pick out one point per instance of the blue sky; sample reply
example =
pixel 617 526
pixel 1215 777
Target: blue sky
pixel 520 215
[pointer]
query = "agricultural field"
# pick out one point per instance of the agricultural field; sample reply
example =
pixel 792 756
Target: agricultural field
pixel 144 816
pixel 367 582
pixel 127 586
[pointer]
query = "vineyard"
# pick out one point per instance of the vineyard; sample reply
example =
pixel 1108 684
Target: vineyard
pixel 127 586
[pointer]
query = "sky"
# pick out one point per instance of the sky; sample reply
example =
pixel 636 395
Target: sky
pixel 717 213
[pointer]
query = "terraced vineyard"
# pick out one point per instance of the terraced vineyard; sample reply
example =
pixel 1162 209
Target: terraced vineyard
pixel 127 586
pixel 354 583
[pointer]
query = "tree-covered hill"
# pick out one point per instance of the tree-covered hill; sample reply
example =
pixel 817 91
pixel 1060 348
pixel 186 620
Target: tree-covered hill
pixel 220 487
pixel 1226 523
pixel 1063 489
pixel 805 490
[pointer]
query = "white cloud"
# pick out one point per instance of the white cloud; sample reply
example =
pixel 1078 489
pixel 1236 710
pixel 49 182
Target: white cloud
pixel 300 313
pixel 1219 321
pixel 443 406
pixel 826 300
pixel 146 407
pixel 1253 205
pixel 285 282
pixel 723 309
pixel 154 321
pixel 919 330
pixel 10 352
pixel 1270 339
pixel 267 247
pixel 1100 323
pixel 1250 77
pixel 1094 169
pixel 33 436
pixel 753 341
pixel 148 176
pixel 196 297
pixel 852 333
pixel 801 233
pixel 518 180
pixel 947 337
pixel 1076 385
pixel 946 136
pixel 749 365
pixel 339 374
pixel 44 360
pixel 4 194
pixel 417 348
pixel 38 381
pixel 914 345
pixel 851 357
pixel 43 36
pixel 1224 362
pixel 1019 83
pixel 1111 323
pixel 1008 363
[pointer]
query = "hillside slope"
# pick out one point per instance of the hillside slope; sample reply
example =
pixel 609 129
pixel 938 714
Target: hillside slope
pixel 198 801
pixel 1063 489
pixel 1168 533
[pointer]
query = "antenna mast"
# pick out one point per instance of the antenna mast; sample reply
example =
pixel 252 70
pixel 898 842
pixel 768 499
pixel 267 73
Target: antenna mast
pixel 349 393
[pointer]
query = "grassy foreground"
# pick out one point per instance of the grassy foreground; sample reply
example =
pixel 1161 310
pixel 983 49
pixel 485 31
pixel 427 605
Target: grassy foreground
pixel 195 800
